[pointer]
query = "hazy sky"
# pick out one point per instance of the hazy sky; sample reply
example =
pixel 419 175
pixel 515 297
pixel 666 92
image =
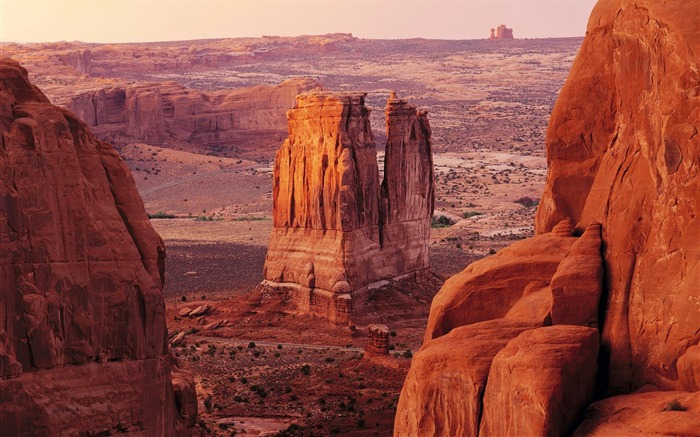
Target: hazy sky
pixel 162 20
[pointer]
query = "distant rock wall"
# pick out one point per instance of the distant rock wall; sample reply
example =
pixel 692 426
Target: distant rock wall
pixel 169 113
pixel 336 228
pixel 83 346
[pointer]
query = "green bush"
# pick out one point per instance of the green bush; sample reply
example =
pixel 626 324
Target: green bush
pixel 161 215
pixel 470 214
pixel 441 222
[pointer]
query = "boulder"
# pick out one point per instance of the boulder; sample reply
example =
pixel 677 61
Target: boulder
pixel 654 413
pixel 541 382
pixel 442 393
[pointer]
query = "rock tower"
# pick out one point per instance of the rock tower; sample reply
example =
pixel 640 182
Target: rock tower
pixel 337 230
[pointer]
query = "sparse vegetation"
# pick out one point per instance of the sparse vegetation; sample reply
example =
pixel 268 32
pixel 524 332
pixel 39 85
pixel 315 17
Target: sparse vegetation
pixel 470 214
pixel 161 215
pixel 441 222
pixel 674 405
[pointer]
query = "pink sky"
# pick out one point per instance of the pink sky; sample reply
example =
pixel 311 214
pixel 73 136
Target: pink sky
pixel 161 20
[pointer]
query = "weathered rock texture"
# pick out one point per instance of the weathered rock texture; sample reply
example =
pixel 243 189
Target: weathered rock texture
pixel 624 153
pixel 654 413
pixel 82 332
pixel 514 288
pixel 170 114
pixel 541 382
pixel 337 230
pixel 623 150
pixel 378 343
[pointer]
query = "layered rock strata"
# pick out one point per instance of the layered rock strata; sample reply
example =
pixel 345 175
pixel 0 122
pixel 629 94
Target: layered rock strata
pixel 170 114
pixel 83 346
pixel 337 230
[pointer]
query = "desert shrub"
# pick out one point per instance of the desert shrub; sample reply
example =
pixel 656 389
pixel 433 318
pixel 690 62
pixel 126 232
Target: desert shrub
pixel 408 354
pixel 393 333
pixel 207 403
pixel 527 202
pixel 183 298
pixel 305 369
pixel 674 405
pixel 256 354
pixel 441 222
pixel 470 214
pixel 251 345
pixel 161 215
pixel 279 346
pixel 492 251
pixel 250 219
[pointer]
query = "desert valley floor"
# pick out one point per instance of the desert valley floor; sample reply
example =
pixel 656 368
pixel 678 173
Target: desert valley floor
pixel 261 367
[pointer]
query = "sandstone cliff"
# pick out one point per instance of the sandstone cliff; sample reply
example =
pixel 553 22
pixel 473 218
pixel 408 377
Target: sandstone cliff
pixel 82 332
pixel 170 114
pixel 336 228
pixel 623 149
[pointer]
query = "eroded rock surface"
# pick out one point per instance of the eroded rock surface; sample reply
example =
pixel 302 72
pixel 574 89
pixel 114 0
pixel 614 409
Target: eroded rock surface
pixel 170 114
pixel 82 332
pixel 336 228
pixel 541 382
pixel 623 150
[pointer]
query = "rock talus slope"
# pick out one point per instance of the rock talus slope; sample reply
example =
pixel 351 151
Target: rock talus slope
pixel 623 150
pixel 336 229
pixel 82 332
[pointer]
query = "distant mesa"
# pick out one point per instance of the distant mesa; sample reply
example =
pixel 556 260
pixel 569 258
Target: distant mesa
pixel 337 230
pixel 501 32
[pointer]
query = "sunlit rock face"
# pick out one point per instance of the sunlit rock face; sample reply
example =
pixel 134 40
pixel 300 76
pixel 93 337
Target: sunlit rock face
pixel 616 249
pixel 82 331
pixel 337 229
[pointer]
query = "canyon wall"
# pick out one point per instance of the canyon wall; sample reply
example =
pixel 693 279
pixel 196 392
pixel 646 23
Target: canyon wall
pixel 82 331
pixel 512 345
pixel 623 149
pixel 336 229
pixel 170 114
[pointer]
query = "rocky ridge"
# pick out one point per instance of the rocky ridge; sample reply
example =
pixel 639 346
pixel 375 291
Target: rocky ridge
pixel 82 334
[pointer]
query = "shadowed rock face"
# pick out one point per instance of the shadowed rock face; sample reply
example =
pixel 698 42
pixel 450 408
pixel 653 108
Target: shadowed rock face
pixel 623 150
pixel 169 113
pixel 336 229
pixel 81 273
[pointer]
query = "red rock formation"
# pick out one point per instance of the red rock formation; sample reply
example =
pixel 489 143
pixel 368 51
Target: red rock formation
pixel 82 332
pixel 541 382
pixel 623 148
pixel 378 340
pixel 649 414
pixel 623 151
pixel 516 287
pixel 336 231
pixel 441 396
pixel 501 32
pixel 170 114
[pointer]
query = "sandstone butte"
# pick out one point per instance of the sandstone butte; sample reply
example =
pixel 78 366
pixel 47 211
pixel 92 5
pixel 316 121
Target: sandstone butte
pixel 623 298
pixel 170 114
pixel 83 347
pixel 337 231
